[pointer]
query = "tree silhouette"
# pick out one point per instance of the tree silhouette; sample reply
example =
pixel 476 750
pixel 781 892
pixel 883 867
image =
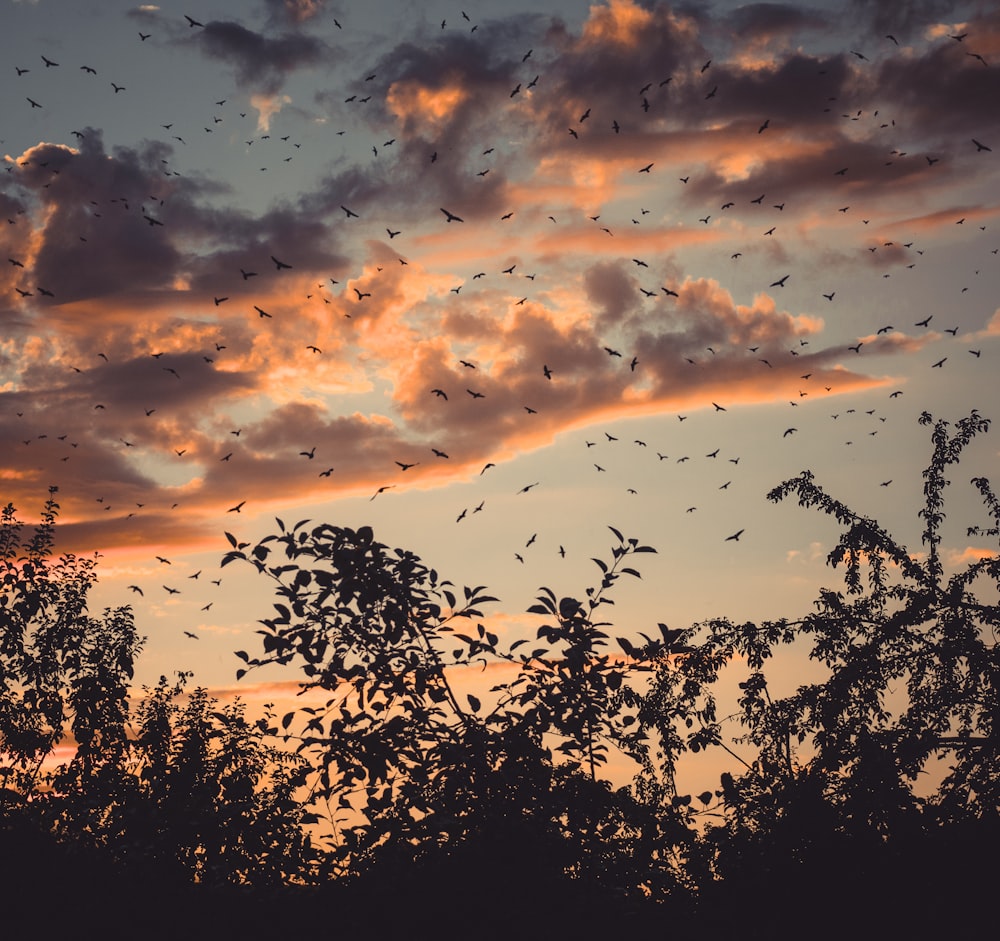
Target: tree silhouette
pixel 891 755
pixel 877 775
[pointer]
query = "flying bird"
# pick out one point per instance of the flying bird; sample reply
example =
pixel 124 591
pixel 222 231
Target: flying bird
pixel 735 537
pixel 279 264
pixel 451 217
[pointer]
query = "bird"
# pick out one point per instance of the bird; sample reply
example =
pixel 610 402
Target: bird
pixel 192 22
pixel 735 536
pixel 451 217
pixel 780 283
pixel 190 634
pixel 354 215
pixel 236 509
pixel 279 264
pixel 789 431
pixel 646 169
pixel 979 147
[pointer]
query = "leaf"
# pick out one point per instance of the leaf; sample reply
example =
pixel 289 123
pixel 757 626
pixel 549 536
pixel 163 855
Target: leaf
pixel 601 565
pixel 287 719
pixel 232 539
pixel 626 645
pixel 473 702
pixel 621 538
pixel 629 571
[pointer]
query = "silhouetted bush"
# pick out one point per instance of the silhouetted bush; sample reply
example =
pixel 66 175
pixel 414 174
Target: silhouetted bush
pixel 409 807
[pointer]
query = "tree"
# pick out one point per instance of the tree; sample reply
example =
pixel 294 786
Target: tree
pixel 196 791
pixel 61 670
pixel 911 683
pixel 412 770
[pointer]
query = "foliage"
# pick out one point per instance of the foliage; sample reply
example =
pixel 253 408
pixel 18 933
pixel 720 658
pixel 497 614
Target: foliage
pixel 60 668
pixel 407 765
pixel 886 760
pixel 195 789
pixel 911 683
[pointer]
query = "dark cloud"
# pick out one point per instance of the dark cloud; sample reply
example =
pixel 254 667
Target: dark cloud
pixel 764 20
pixel 904 19
pixel 261 62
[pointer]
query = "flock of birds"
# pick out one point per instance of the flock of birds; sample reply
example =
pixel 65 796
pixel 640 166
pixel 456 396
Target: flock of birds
pixel 152 209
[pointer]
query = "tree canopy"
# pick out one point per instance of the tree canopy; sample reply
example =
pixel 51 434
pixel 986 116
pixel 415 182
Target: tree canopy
pixel 883 763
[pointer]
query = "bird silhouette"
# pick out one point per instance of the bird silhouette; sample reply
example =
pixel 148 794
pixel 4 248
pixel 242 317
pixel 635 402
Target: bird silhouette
pixel 451 217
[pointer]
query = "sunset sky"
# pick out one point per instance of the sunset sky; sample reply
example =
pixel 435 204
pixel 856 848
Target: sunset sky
pixel 699 248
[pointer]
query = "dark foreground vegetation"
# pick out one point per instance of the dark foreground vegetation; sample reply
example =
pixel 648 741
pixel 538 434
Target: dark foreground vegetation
pixel 863 804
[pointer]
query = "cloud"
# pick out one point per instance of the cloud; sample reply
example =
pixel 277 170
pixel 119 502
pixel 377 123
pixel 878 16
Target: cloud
pixel 261 62
pixel 295 11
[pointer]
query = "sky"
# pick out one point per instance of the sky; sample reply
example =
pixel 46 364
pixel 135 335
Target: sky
pixel 490 279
